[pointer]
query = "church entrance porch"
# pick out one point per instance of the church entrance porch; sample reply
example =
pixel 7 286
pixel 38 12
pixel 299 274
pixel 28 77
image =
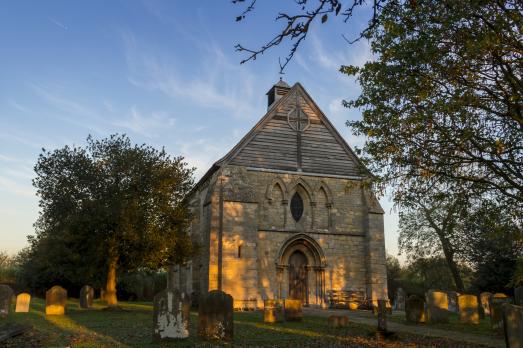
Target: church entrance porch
pixel 300 268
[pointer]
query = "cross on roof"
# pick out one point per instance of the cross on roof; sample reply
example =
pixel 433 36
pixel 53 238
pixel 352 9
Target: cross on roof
pixel 297 119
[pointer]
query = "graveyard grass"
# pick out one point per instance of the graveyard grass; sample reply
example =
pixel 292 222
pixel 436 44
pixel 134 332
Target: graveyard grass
pixel 133 328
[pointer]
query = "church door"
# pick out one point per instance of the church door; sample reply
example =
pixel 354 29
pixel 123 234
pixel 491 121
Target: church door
pixel 298 277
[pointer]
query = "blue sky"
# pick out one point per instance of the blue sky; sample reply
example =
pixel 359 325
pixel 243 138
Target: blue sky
pixel 163 72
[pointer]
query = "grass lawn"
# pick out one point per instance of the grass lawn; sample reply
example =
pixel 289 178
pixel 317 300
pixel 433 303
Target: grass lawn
pixel 133 328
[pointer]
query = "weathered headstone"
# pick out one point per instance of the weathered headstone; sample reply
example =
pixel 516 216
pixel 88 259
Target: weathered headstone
pixel 468 309
pixel 415 309
pixel 484 303
pixel 215 316
pixel 22 302
pixel 6 300
pixel 399 301
pixel 55 300
pixel 293 310
pixel 437 307
pixel 518 296
pixel 273 311
pixel 102 294
pixel 171 314
pixel 453 301
pixel 513 325
pixel 86 296
pixel 496 310
pixel 338 321
pixel 382 315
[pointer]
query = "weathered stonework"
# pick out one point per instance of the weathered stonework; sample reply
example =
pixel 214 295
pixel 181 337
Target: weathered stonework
pixel 55 300
pixel 171 315
pixel 249 237
pixel 23 301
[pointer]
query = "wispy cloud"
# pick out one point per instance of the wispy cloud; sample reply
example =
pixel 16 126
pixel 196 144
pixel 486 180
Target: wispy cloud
pixel 61 25
pixel 149 125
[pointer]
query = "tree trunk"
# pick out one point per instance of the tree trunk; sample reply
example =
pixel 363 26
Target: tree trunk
pixel 449 256
pixel 110 286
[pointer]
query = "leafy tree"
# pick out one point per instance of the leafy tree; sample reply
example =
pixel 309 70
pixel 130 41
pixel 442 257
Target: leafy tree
pixel 394 274
pixel 110 206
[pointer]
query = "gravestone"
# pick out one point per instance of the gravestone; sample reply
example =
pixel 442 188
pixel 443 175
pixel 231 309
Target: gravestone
pixel 6 300
pixel 102 294
pixel 293 310
pixel 437 307
pixel 171 314
pixel 273 311
pixel 468 309
pixel 399 302
pixel 338 321
pixel 215 316
pixel 382 315
pixel 496 310
pixel 518 296
pixel 484 303
pixel 86 296
pixel 415 309
pixel 513 325
pixel 55 300
pixel 453 301
pixel 22 302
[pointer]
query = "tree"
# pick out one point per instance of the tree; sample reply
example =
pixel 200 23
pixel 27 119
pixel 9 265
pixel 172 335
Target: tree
pixel 111 205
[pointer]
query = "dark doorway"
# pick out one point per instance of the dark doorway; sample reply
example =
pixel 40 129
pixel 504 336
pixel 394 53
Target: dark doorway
pixel 298 277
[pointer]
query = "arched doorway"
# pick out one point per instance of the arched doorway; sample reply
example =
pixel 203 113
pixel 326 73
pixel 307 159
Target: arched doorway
pixel 298 286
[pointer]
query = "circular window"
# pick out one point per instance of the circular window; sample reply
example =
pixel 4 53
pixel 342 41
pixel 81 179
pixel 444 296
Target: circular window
pixel 296 207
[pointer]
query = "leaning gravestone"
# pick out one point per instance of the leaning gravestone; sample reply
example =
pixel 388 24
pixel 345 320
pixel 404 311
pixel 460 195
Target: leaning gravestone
pixel 513 325
pixel 437 307
pixel 518 296
pixel 273 311
pixel 293 310
pixel 399 302
pixel 496 310
pixel 215 316
pixel 453 301
pixel 55 300
pixel 484 303
pixel 6 299
pixel 22 302
pixel 171 314
pixel 415 309
pixel 86 296
pixel 468 309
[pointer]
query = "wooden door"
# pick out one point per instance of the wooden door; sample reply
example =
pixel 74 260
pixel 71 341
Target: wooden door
pixel 298 277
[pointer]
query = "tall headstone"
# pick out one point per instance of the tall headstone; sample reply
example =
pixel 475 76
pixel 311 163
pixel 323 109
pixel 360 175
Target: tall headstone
pixel 415 309
pixel 437 307
pixel 215 316
pixel 86 296
pixel 468 309
pixel 55 300
pixel 382 315
pixel 6 300
pixel 399 301
pixel 293 310
pixel 273 311
pixel 453 301
pixel 496 310
pixel 22 302
pixel 513 325
pixel 171 314
pixel 518 296
pixel 484 302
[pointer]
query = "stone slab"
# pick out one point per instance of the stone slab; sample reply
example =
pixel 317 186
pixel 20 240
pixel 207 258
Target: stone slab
pixel 55 301
pixel 273 311
pixel 415 309
pixel 513 325
pixel 215 316
pixel 23 301
pixel 86 296
pixel 437 307
pixel 293 310
pixel 468 309
pixel 171 313
pixel 6 300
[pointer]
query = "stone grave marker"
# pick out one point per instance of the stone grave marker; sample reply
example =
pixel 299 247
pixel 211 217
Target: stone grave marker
pixel 437 307
pixel 513 325
pixel 468 309
pixel 293 310
pixel 399 302
pixel 518 296
pixel 453 301
pixel 496 310
pixel 86 296
pixel 6 300
pixel 338 321
pixel 215 316
pixel 273 311
pixel 382 315
pixel 171 312
pixel 55 300
pixel 484 303
pixel 415 309
pixel 22 302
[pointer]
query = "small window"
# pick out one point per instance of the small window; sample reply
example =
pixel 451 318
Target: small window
pixel 296 207
pixel 239 251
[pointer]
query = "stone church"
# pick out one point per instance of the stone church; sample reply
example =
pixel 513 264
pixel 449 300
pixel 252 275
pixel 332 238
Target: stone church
pixel 287 213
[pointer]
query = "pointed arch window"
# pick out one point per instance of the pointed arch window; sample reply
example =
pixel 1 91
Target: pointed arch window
pixel 296 207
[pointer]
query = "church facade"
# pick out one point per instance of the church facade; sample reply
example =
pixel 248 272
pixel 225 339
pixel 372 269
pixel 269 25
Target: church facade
pixel 287 213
